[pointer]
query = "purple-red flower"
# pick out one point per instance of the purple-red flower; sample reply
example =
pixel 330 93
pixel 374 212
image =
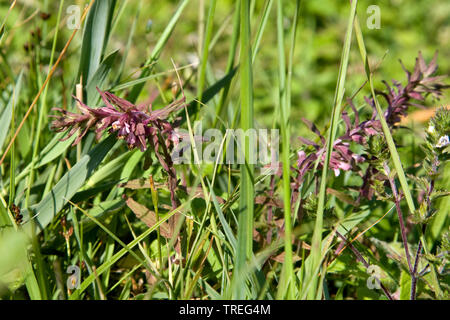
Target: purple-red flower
pixel 139 127
pixel 136 126
pixel 420 84
pixel 342 158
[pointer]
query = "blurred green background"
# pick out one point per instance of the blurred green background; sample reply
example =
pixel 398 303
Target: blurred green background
pixel 406 27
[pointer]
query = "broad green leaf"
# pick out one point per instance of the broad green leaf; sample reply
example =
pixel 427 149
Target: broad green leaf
pixel 6 115
pixel 405 285
pixel 54 149
pixel 95 38
pixel 108 169
pixel 94 191
pixel 352 220
pixel 68 186
pixel 99 77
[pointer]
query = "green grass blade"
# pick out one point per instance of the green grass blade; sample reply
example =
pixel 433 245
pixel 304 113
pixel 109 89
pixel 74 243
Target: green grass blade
pixel 111 234
pixel 129 42
pixel 246 203
pixel 6 115
pixel 99 77
pixel 107 264
pixel 108 169
pixel 227 229
pixel 205 51
pixel 288 284
pixel 230 61
pixel 42 110
pixel 262 27
pixel 317 235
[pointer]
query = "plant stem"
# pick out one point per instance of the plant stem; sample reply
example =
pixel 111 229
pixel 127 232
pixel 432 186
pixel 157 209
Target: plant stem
pixel 246 203
pixel 419 248
pixel 364 262
pixel 397 200
pixel 154 193
pixel 289 284
pixel 414 273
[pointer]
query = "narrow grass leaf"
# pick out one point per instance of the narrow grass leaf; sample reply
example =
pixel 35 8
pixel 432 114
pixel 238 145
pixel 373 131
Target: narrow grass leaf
pixel 339 94
pixel 99 77
pixel 162 40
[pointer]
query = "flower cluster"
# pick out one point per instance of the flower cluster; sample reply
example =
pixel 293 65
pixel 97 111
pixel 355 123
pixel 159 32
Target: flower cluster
pixel 420 84
pixel 133 124
pixel 137 126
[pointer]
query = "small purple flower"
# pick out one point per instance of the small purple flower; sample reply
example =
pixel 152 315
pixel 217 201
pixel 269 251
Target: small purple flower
pixel 342 158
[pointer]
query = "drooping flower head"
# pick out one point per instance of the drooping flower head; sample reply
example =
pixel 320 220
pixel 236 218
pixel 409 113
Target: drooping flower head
pixel 140 127
pixel 131 123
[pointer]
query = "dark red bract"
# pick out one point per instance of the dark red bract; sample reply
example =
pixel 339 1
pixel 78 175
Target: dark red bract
pixel 137 127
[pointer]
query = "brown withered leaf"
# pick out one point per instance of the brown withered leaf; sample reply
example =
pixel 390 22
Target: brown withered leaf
pixel 145 184
pixel 140 184
pixel 148 217
pixel 280 258
pixel 341 196
pixel 265 200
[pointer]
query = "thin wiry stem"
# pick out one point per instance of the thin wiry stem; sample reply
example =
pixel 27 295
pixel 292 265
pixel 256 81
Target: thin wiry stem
pixel 414 275
pixel 364 262
pixel 400 216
